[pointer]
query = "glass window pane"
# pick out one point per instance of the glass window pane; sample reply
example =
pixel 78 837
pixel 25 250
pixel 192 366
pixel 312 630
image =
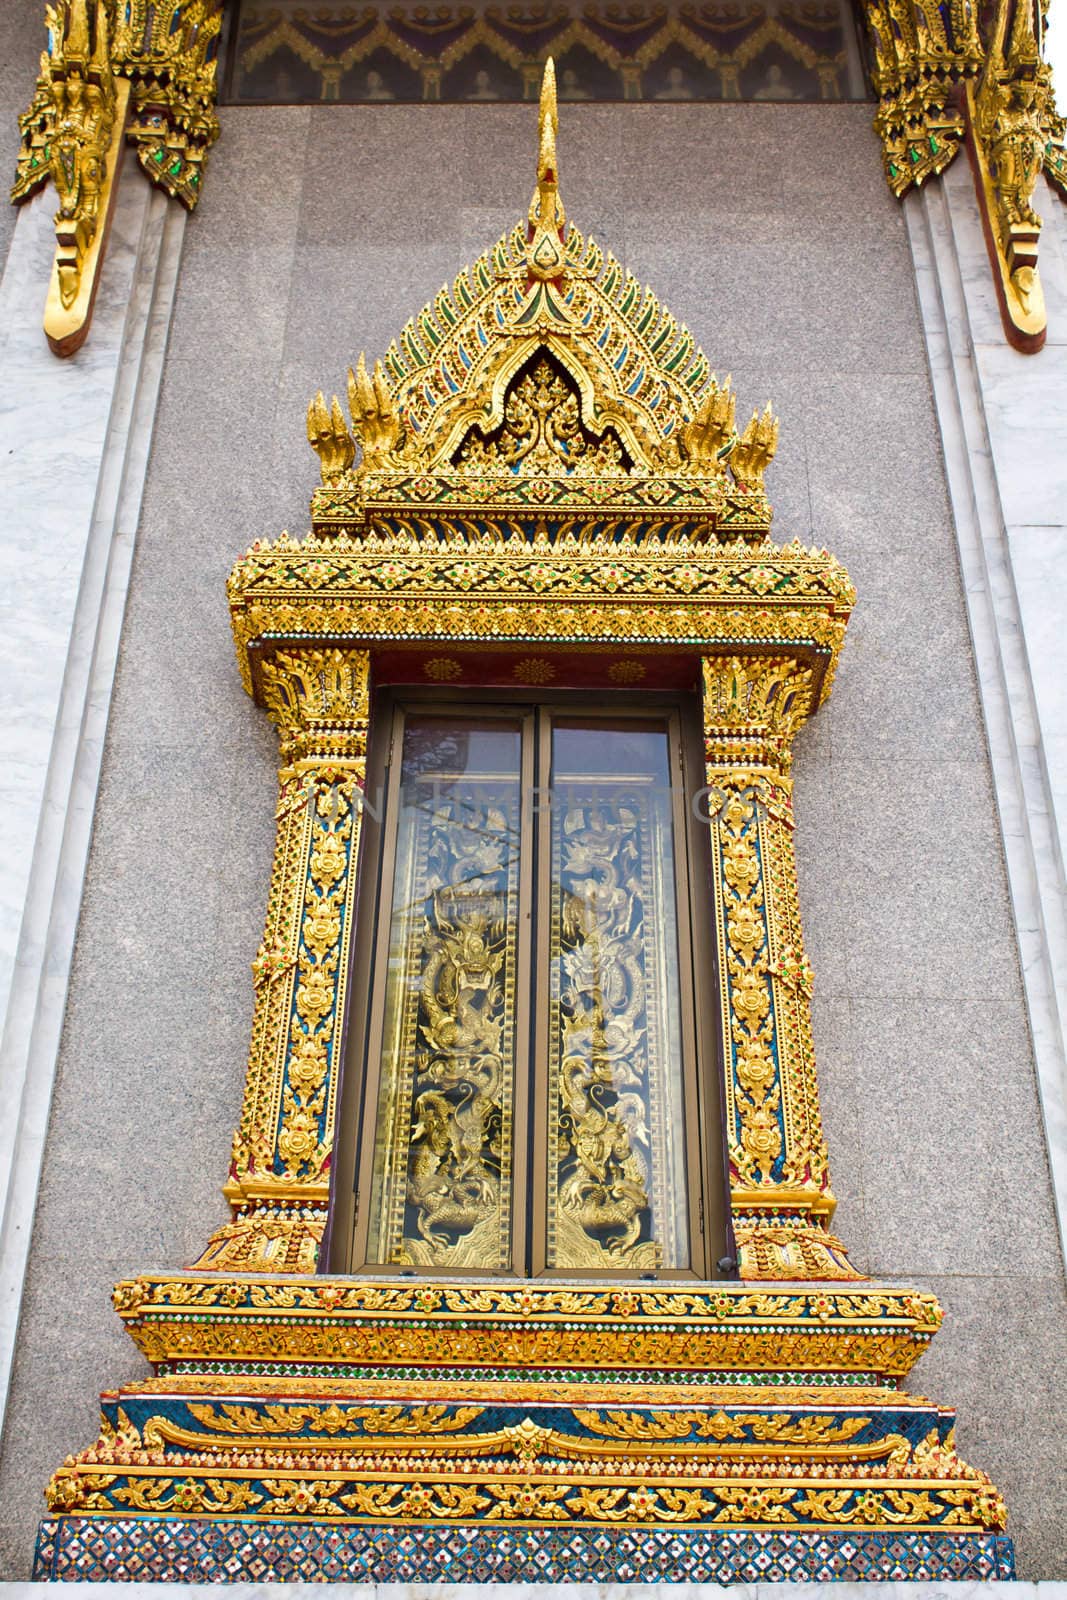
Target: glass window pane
pixel 442 1187
pixel 617 1197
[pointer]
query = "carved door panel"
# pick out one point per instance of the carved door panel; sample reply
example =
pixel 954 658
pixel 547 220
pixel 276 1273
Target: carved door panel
pixel 612 1176
pixel 532 1101
pixel 444 1179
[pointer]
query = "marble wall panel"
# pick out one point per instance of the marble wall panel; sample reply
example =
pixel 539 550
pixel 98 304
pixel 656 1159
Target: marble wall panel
pixel 769 231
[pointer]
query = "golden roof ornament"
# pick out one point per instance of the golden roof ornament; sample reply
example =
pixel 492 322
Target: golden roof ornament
pixel 545 383
pixel 963 74
pixel 141 72
pixel 544 254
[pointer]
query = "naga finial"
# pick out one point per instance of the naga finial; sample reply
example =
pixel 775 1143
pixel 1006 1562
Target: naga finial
pixel 544 252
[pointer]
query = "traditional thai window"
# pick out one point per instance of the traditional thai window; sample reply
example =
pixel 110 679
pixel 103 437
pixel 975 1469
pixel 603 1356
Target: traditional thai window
pixel 534 1066
pixel 540 612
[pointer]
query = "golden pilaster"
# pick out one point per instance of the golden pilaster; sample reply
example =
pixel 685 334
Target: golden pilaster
pixel 779 1181
pixel 279 1178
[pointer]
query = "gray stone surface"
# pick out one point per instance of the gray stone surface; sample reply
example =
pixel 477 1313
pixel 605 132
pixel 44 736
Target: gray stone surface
pixel 769 230
pixel 22 38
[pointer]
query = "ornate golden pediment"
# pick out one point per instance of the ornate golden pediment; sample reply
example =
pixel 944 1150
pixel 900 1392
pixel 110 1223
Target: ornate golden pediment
pixel 546 377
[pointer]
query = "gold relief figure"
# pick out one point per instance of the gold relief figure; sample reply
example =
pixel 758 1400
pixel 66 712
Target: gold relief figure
pixel 457 1127
pixel 78 162
pixel 608 1037
pixel 1017 148
pixel 443 1192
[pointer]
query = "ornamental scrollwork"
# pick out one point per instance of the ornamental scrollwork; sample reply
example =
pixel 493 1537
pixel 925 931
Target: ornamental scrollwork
pixel 542 434
pixel 352 1493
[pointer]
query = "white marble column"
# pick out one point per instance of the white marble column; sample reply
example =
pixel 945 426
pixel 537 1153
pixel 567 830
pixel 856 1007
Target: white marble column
pixel 74 443
pixel 1003 419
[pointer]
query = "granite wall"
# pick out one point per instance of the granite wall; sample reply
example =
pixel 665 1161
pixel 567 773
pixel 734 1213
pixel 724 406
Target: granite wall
pixel 769 230
pixel 22 38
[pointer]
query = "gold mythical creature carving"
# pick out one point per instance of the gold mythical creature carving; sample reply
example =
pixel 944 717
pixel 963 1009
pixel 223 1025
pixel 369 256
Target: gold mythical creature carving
pixel 375 419
pixel 72 134
pixel 457 1122
pixel 84 111
pixel 709 436
pixel 446 1154
pixel 755 449
pixel 329 437
pixel 1011 111
pixel 604 1166
pixel 955 72
pixel 143 70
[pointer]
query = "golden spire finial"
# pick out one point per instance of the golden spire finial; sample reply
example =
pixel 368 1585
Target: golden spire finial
pixel 544 253
pixel 548 124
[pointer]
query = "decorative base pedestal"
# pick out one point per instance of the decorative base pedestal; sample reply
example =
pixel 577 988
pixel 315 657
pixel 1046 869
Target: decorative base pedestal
pixel 320 1429
pixel 205 1550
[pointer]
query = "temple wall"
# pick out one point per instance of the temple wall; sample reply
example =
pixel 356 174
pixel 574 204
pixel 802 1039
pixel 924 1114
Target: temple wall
pixel 21 43
pixel 769 231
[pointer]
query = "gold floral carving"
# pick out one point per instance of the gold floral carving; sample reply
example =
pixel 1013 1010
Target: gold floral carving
pixel 533 669
pixel 542 433
pixel 192 1323
pixel 627 671
pixel 533 1500
pixel 442 669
